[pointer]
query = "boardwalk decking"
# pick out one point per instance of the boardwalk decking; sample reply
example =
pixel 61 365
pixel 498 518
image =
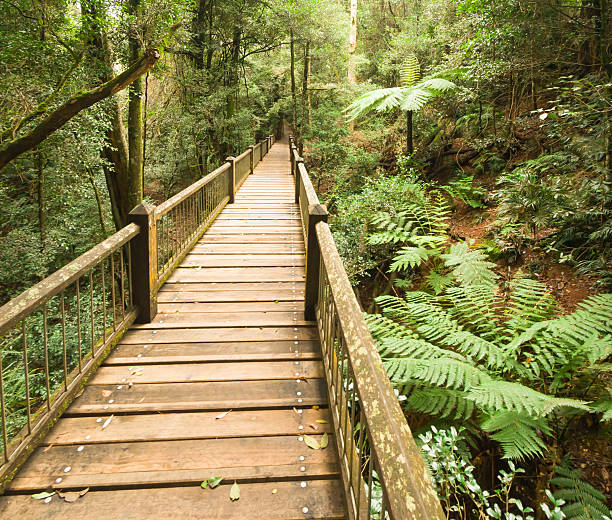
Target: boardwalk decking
pixel 229 336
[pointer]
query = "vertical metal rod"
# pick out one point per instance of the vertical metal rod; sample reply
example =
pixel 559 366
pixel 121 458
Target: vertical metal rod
pixel 129 263
pixel 113 292
pixel 370 487
pixel 103 303
pixel 91 314
pixel 359 458
pixel 3 410
pixel 26 372
pixel 121 259
pixel 46 347
pixel 64 350
pixel 78 296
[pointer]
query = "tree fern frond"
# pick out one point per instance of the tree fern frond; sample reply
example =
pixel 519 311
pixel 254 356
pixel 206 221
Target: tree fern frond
pixel 474 307
pixel 508 396
pixel 529 302
pixel 517 433
pixel 469 266
pixel 443 402
pixel 438 84
pixel 382 327
pixel 410 71
pixel 582 500
pixel 409 257
pixel 415 98
pixel 375 99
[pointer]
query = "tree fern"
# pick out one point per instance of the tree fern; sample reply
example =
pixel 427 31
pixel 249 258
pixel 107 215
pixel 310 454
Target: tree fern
pixel 502 361
pixel 410 71
pixel 582 501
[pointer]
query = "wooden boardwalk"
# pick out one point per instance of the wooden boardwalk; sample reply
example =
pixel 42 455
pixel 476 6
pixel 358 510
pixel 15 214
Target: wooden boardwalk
pixel 226 381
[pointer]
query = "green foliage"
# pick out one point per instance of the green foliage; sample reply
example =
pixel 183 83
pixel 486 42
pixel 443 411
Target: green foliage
pixel 582 501
pixel 503 363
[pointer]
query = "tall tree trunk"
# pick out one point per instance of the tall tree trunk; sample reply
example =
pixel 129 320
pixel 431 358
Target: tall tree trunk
pixel 409 139
pixel 135 117
pixel 293 95
pixel 40 189
pixel 305 116
pixel 99 204
pixel 352 76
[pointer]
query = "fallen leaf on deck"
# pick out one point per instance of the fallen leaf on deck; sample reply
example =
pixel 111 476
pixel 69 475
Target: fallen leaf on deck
pixel 222 415
pixel 106 393
pixel 321 421
pixel 48 447
pixel 235 492
pixel 296 410
pixel 72 496
pixel 311 442
pixel 274 491
pixel 211 482
pixel 315 407
pixel 324 441
pixel 107 422
pixel 313 426
pixel 137 373
pixel 44 494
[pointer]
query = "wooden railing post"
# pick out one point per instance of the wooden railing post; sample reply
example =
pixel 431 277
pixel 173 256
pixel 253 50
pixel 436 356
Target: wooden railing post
pixel 291 146
pixel 231 184
pixel 296 167
pixel 251 157
pixel 144 262
pixel 316 213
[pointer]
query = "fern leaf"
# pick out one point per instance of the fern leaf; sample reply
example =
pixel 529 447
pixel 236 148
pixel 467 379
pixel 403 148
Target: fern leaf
pixel 410 71
pixel 442 402
pixel 517 433
pixel 469 266
pixel 581 499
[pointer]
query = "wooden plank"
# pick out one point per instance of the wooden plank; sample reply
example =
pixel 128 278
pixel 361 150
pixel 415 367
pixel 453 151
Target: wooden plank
pixel 236 274
pixel 287 295
pixel 234 286
pixel 274 306
pixel 248 248
pixel 212 260
pixel 296 238
pixel 128 354
pixel 164 397
pixel 197 320
pixel 220 335
pixel 277 222
pixel 201 372
pixel 188 425
pixel 257 502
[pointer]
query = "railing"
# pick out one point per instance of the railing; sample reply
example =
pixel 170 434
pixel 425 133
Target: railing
pixel 383 472
pixel 54 335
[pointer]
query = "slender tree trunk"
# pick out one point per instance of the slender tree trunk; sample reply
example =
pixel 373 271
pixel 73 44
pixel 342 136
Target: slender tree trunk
pixel 99 204
pixel 351 75
pixel 409 139
pixel 293 95
pixel 135 118
pixel 40 189
pixel 305 116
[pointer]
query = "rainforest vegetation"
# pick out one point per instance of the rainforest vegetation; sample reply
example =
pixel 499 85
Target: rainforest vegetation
pixel 462 147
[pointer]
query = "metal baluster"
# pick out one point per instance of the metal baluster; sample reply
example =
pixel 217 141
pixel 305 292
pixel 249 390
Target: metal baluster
pixel 64 350
pixel 370 485
pixel 46 347
pixel 113 292
pixel 103 303
pixel 78 295
pixel 129 263
pixel 3 410
pixel 352 437
pixel 91 315
pixel 26 371
pixel 359 458
pixel 122 283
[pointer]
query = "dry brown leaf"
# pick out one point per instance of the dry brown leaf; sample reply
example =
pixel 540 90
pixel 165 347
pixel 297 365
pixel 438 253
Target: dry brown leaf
pixel 106 393
pixel 48 447
pixel 313 426
pixel 72 496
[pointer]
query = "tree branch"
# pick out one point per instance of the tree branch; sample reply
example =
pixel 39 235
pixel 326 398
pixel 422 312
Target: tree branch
pixel 59 117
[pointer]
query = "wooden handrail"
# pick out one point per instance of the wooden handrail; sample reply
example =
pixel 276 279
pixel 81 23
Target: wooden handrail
pixel 357 379
pixel 29 300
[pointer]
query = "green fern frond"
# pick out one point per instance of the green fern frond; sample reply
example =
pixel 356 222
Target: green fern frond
pixel 409 257
pixel 474 307
pixel 469 266
pixel 442 402
pixel 529 302
pixel 500 396
pixel 582 500
pixel 384 327
pixel 410 71
pixel 517 434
